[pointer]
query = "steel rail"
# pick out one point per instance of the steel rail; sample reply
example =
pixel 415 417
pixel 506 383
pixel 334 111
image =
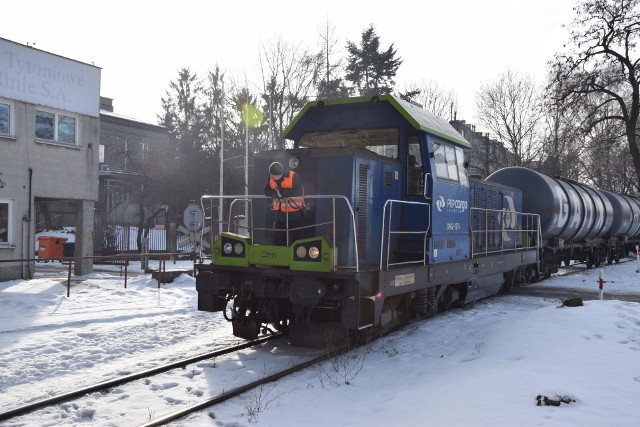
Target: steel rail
pixel 31 407
pixel 238 391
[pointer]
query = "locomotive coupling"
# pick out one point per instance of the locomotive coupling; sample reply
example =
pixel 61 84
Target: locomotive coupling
pixel 306 291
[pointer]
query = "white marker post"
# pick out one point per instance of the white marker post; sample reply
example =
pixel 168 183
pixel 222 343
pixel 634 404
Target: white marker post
pixel 638 258
pixel 601 285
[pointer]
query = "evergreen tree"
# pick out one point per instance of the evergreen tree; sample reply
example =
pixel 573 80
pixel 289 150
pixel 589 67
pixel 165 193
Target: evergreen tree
pixel 183 115
pixel 370 70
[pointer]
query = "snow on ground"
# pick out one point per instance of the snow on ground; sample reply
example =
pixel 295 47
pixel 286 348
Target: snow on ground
pixel 479 366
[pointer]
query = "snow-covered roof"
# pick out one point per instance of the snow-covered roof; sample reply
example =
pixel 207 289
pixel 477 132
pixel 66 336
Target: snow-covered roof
pixel 130 119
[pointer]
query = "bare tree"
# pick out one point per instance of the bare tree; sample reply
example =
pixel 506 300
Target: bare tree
pixel 563 141
pixel 330 84
pixel 509 108
pixel 603 59
pixel 606 151
pixel 439 101
pixel 288 76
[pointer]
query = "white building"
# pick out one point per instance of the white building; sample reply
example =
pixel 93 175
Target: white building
pixel 49 137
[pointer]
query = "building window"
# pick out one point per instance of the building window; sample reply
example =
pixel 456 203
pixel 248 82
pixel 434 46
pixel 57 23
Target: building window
pixel 144 151
pixel 4 223
pixel 55 127
pixel 5 118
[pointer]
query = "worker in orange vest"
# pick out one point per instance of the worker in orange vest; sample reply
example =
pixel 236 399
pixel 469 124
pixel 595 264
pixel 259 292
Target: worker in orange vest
pixel 286 189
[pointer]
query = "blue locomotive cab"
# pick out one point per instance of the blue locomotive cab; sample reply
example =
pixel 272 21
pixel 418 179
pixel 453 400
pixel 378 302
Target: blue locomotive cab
pixel 400 167
pixel 449 187
pixel 343 186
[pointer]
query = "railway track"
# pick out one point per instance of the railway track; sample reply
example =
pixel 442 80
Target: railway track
pixel 106 385
pixel 237 391
pixel 542 290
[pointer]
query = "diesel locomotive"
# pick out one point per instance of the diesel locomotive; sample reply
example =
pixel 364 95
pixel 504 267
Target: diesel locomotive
pixel 392 227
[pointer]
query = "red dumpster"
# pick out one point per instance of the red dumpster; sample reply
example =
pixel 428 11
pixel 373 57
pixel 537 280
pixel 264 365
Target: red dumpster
pixel 50 247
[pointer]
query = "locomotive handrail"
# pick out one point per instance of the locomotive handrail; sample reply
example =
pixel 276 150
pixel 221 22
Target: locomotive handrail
pixel 248 200
pixel 250 228
pixel 390 203
pixel 425 190
pixel 530 223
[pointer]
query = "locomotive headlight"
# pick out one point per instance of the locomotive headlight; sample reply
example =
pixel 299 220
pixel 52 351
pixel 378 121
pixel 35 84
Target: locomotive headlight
pixel 238 248
pixel 227 248
pixel 294 163
pixel 314 252
pixel 301 252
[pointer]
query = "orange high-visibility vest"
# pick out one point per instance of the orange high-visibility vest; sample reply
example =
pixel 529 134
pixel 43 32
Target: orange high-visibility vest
pixel 293 203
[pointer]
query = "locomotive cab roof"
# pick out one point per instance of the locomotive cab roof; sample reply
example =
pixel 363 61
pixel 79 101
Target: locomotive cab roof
pixel 323 123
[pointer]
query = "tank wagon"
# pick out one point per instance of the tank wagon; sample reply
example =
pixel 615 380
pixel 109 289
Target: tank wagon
pixel 393 228
pixel 577 222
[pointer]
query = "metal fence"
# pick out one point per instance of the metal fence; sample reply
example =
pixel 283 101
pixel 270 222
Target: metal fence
pixel 113 239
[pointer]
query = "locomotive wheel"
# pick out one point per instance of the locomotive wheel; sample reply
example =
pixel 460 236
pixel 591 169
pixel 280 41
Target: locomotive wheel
pixel 282 326
pixel 509 281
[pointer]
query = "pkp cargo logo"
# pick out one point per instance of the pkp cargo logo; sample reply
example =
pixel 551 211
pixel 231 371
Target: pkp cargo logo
pixel 451 205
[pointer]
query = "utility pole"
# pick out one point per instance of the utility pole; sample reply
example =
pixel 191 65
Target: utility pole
pixel 246 165
pixel 221 118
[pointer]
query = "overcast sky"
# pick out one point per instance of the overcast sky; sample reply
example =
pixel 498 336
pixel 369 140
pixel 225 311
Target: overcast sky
pixel 140 45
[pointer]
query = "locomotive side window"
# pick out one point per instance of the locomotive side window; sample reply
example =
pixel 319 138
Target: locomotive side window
pixel 452 166
pixel 462 171
pixel 415 172
pixel 382 141
pixel 441 161
pixel 450 163
pixel 384 150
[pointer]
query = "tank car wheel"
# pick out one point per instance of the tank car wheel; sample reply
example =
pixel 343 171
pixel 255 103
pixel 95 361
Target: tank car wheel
pixel 589 262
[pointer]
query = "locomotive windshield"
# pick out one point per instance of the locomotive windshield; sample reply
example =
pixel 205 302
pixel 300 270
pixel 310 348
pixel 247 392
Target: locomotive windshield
pixel 381 141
